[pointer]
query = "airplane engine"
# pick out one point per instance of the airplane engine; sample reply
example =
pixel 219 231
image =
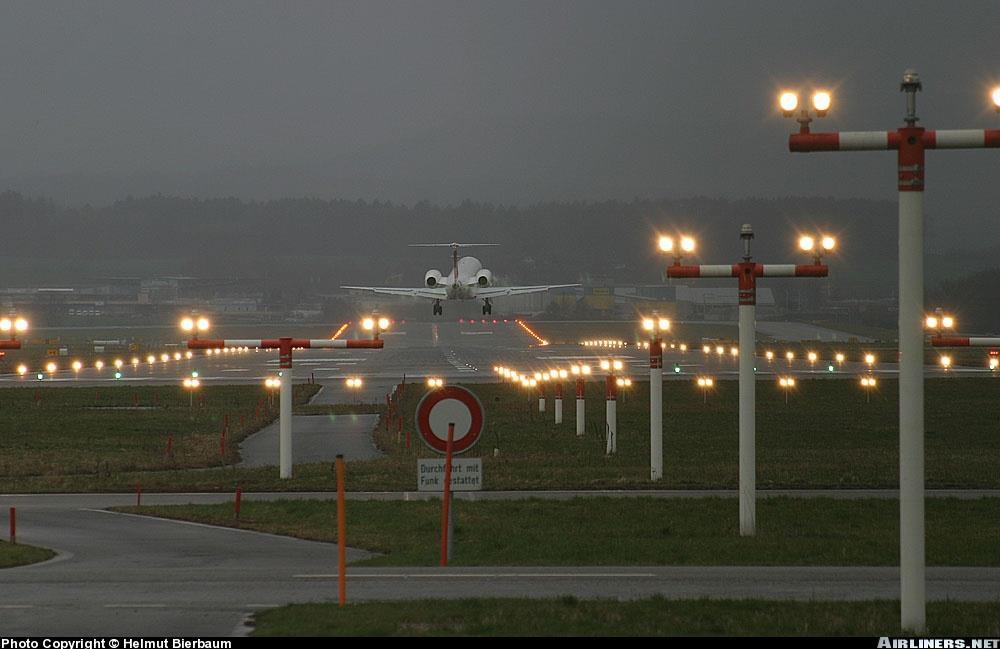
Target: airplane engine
pixel 433 278
pixel 484 278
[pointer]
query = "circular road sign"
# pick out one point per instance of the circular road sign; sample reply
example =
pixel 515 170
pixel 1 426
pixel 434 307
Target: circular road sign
pixel 449 405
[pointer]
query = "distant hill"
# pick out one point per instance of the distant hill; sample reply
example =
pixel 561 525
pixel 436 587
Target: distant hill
pixel 313 245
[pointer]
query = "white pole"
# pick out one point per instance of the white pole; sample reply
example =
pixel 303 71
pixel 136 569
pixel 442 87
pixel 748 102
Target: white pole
pixel 612 424
pixel 655 410
pixel 611 415
pixel 581 409
pixel 541 402
pixel 285 424
pixel 748 449
pixel 558 410
pixel 911 411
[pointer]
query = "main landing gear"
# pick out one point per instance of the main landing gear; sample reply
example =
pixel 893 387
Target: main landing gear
pixel 487 306
pixel 438 309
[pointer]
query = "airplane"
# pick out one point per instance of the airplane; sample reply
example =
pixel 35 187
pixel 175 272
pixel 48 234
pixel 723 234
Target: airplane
pixel 468 280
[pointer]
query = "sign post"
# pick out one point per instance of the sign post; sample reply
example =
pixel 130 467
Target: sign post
pixel 450 421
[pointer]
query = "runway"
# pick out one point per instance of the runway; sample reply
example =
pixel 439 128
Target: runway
pixel 455 350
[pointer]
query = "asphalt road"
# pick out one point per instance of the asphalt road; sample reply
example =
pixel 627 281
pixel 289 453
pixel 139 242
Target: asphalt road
pixel 317 438
pixel 128 575
pixel 131 575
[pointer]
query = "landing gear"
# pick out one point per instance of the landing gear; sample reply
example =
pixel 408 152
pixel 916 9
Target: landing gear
pixel 438 309
pixel 487 306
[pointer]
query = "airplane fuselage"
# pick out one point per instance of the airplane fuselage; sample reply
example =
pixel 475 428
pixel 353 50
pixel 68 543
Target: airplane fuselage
pixel 464 280
pixel 467 280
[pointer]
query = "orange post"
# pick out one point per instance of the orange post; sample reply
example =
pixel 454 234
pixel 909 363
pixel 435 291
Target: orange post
pixel 138 494
pixel 239 501
pixel 13 525
pixel 341 534
pixel 446 498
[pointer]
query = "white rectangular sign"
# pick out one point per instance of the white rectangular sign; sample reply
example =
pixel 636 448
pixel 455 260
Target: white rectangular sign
pixel 466 474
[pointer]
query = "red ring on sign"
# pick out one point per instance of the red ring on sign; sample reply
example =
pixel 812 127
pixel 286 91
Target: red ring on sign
pixel 422 419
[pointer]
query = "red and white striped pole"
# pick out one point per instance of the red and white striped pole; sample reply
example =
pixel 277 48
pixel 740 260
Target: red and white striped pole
pixel 285 409
pixel 541 395
pixel 964 341
pixel 285 346
pixel 611 412
pixel 655 407
pixel 910 142
pixel 581 401
pixel 747 273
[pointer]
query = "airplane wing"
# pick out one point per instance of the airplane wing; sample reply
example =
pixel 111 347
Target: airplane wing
pixel 500 291
pixel 432 293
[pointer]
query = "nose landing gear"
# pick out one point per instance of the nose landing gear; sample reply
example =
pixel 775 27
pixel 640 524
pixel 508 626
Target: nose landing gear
pixel 487 306
pixel 438 309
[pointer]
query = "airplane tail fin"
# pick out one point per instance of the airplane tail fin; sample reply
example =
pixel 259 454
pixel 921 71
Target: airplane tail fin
pixel 450 245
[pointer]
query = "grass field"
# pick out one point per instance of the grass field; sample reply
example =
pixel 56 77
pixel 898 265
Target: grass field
pixel 102 431
pixel 645 617
pixel 571 332
pixel 133 340
pixel 631 531
pixel 826 436
pixel 695 335
pixel 22 555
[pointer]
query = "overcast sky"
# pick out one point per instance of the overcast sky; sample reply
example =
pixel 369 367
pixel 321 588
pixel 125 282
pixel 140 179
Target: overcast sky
pixel 503 101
